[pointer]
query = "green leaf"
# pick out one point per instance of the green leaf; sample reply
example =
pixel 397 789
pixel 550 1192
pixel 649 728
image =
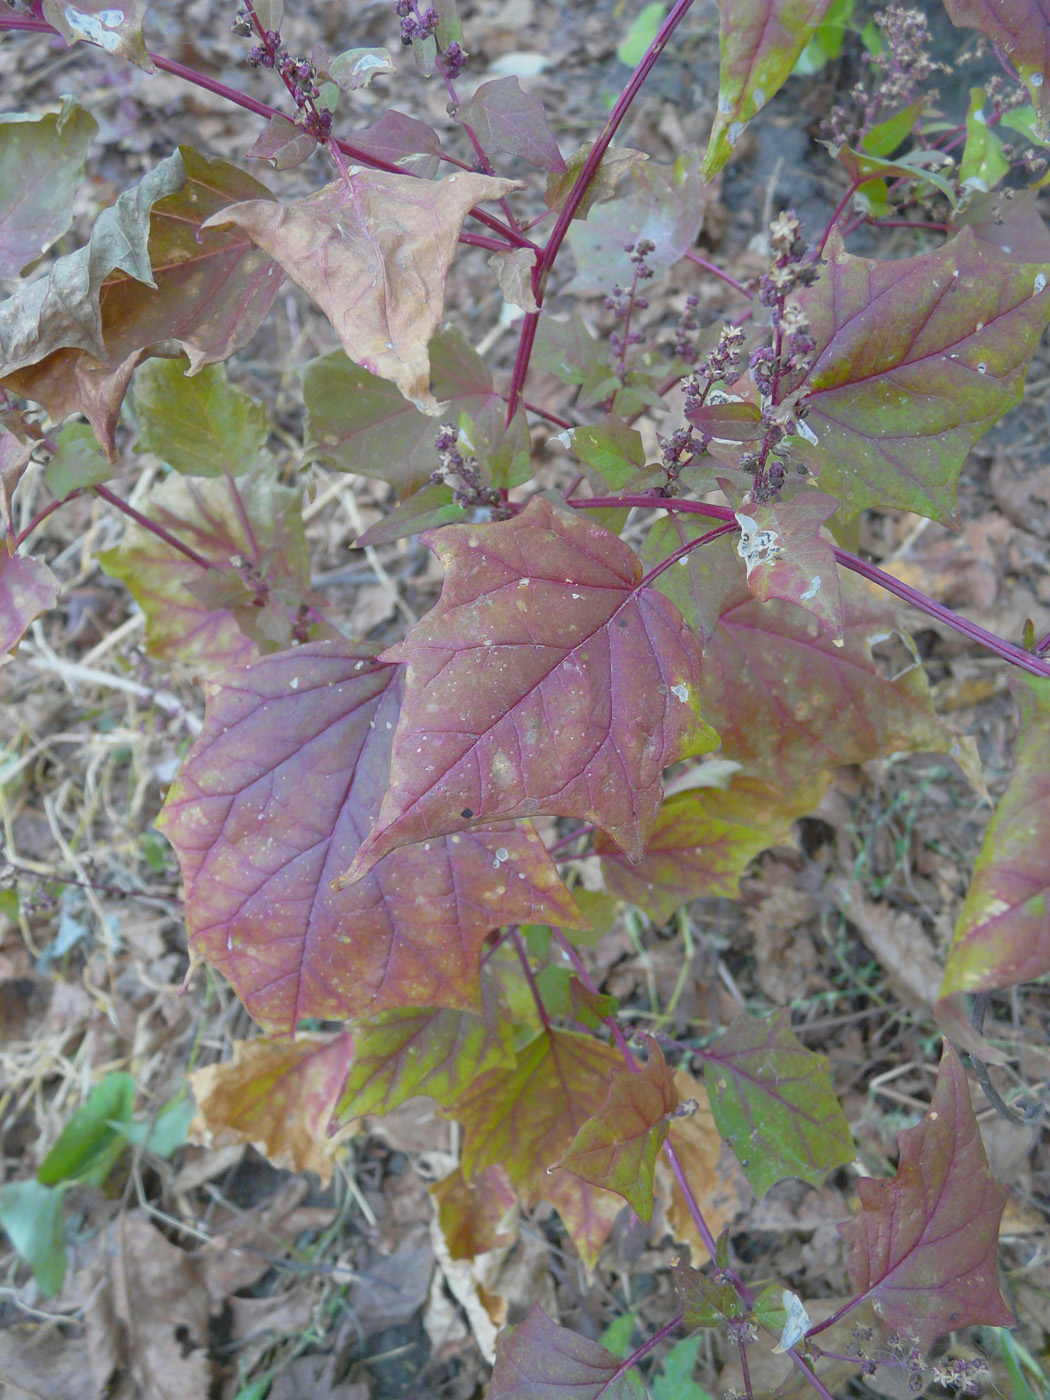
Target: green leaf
pixel 884 137
pixel 41 165
pixel 201 426
pixel 675 1381
pixel 773 1103
pixel 425 509
pixel 76 461
pixel 166 1133
pixel 613 449
pixel 631 48
pixel 759 43
pixel 89 1144
pixel 31 1214
pixel 983 162
pixel 707 1301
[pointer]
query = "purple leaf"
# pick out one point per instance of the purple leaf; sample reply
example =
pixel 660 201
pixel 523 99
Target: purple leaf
pixel 282 143
pixel 1022 29
pixel 27 588
pixel 545 680
pixel 272 803
pixel 915 360
pixel 924 1245
pixel 395 136
pixel 786 557
pixel 505 118
pixel 538 1360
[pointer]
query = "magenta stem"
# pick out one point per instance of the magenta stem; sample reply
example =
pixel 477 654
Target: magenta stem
pixel 716 272
pixel 152 526
pixel 523 958
pixel 40 517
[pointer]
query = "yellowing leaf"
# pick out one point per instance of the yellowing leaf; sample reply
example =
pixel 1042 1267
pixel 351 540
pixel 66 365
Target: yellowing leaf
pixel 373 252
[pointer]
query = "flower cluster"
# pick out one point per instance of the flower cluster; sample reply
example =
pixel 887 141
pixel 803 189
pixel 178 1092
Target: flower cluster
pixel 901 69
pixel 299 75
pixel 622 303
pixel 415 25
pixel 684 345
pixel 471 490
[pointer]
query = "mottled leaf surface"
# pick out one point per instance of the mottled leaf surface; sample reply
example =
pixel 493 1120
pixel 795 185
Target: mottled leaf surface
pixel 373 252
pixel 422 1050
pixel 357 422
pixel 27 588
pixel 759 42
pixel 916 359
pixel 505 118
pixel 271 805
pixel 72 342
pixel 616 1147
pixel 774 1104
pixel 476 1216
pixel 201 426
pixel 786 700
pixel 115 28
pixel 41 166
pixel 923 1247
pixel 613 449
pixel 614 164
pixel 524 1119
pixel 1022 29
pixel 278 1096
pixel 703 840
pixel 543 681
pixel 395 136
pixel 666 205
pixel 785 556
pixel 538 1360
pixel 227 628
pixel 1002 936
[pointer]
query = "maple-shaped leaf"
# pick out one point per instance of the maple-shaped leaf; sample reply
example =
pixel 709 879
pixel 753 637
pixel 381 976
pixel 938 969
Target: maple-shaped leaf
pixel 923 1247
pixel 115 28
pixel 271 804
pixel 149 275
pixel 915 360
pixel 538 1360
pixel 505 118
pixel 704 839
pixel 478 1215
pixel 41 166
pixel 422 1050
pixel 773 1102
pixel 759 43
pixel 27 588
pixel 264 530
pixel 786 699
pixel 616 1147
pixel 373 252
pixel 524 1119
pixel 201 426
pixel 278 1096
pixel 545 680
pixel 1019 27
pixel 357 422
pixel 703 583
pixel 1002 935
pixel 785 556
pixel 666 206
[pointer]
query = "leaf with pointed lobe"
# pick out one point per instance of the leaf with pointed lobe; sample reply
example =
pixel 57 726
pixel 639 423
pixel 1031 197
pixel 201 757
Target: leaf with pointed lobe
pixel 1011 227
pixel 923 1247
pixel 785 555
pixel 538 1360
pixel 422 1050
pixel 714 1177
pixel 703 841
pixel 423 510
pixel 737 421
pixel 373 252
pixel 201 426
pixel 1002 935
pixel 759 43
pixel 357 422
pixel 395 136
pixel 282 143
pixel 506 118
pixel 72 341
pixel 915 360
pixel 478 1215
pixel 27 589
pixel 524 1118
pixel 706 1301
pixel 355 68
pixel 1022 29
pixel 614 164
pixel 616 1147
pixel 278 1096
pixel 666 206
pixel 180 625
pixel 115 28
pixel 787 700
pixel 545 680
pixel 590 1008
pixel 871 173
pixel 41 167
pixel 774 1104
pixel 272 803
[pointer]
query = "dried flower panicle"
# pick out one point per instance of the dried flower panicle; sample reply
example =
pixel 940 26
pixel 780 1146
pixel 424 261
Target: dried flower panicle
pixel 471 490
